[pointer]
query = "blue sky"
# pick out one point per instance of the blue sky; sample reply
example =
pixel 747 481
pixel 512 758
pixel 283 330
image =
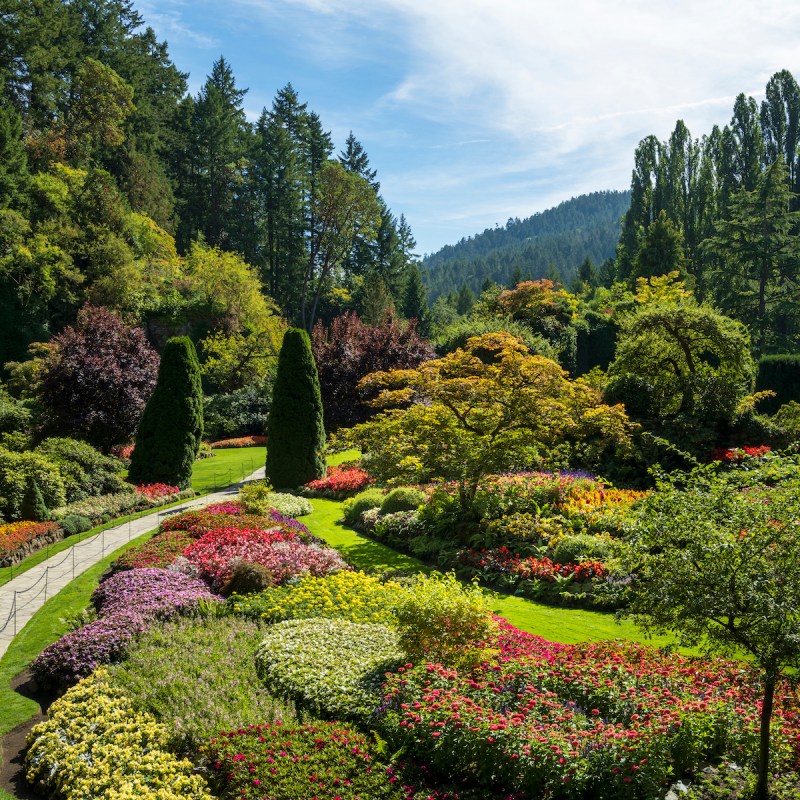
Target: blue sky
pixel 475 111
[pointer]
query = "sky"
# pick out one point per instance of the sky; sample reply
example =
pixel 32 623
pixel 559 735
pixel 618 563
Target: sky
pixel 476 111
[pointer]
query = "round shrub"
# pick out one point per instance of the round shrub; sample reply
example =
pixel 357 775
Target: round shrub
pixel 289 505
pixel 364 501
pixel 402 499
pixel 572 549
pixel 248 577
pixel 257 497
pixel 75 523
pixel 354 596
pixel 330 667
pixel 443 621
pixel 326 760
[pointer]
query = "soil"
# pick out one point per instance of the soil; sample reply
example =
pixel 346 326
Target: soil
pixel 12 745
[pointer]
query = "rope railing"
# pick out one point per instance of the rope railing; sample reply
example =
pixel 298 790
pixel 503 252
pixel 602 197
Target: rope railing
pixel 16 606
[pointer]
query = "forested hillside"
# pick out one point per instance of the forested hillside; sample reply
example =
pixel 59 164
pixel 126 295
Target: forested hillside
pixel 549 243
pixel 119 188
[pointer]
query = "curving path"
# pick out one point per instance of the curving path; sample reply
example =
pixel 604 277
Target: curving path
pixel 23 596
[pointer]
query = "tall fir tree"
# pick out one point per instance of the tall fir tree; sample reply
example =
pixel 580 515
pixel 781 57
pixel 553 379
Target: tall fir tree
pixel 171 427
pixel 295 430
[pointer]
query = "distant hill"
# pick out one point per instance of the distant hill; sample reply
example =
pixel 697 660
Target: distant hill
pixel 563 237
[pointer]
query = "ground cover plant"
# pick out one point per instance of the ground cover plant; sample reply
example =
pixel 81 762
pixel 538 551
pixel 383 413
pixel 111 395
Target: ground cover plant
pixel 197 676
pixel 17 539
pixel 97 743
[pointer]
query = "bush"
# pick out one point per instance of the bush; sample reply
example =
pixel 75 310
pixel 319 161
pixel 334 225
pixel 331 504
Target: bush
pixel 295 431
pixel 329 667
pixel 16 470
pixel 443 621
pixel 573 549
pixel 248 577
pixel 103 507
pixel 402 499
pixel 97 743
pixel 86 472
pixel 257 497
pixel 171 428
pixel 197 676
pixel 455 336
pixel 781 374
pixel 353 596
pixel 75 523
pixel 353 508
pixel 326 760
pixel 339 482
pixel 241 413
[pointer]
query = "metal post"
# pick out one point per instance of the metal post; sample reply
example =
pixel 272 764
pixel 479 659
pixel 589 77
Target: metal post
pixel 73 563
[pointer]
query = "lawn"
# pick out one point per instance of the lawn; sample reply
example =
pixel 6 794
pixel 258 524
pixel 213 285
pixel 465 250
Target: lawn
pixel 227 465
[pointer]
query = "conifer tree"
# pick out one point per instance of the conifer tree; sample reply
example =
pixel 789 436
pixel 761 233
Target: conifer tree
pixel 295 431
pixel 33 506
pixel 172 423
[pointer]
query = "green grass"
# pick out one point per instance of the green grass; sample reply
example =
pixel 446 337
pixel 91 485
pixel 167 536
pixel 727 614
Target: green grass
pixel 227 465
pixel 45 627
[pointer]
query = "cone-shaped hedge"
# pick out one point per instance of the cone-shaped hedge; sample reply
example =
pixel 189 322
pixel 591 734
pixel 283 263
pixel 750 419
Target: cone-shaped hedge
pixel 295 430
pixel 33 506
pixel 172 423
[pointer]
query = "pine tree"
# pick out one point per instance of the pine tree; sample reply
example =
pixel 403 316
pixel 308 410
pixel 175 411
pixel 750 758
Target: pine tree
pixel 13 162
pixel 172 423
pixel 33 507
pixel 295 431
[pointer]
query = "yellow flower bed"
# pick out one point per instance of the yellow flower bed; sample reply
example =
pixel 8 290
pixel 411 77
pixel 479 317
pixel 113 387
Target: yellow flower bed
pixel 353 596
pixel 95 744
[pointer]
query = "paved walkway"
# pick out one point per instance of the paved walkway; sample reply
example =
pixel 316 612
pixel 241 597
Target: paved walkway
pixel 23 596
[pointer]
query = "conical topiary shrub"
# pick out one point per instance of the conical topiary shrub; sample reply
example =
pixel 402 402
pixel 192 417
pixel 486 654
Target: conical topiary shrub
pixel 172 423
pixel 33 506
pixel 295 430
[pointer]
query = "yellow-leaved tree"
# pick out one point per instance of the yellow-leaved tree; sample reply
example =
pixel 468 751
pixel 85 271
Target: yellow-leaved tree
pixel 492 406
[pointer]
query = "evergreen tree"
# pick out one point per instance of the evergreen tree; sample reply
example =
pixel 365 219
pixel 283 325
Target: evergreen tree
pixel 415 299
pixel 465 299
pixel 355 159
pixel 660 249
pixel 13 162
pixel 295 430
pixel 171 427
pixel 33 507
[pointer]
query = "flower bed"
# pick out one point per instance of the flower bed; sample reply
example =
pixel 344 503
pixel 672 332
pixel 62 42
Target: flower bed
pixel 576 721
pixel 20 539
pixel 127 603
pixel 158 492
pixel 330 667
pixel 735 455
pixel 340 482
pixel 96 743
pixel 160 551
pixel 353 596
pixel 241 441
pixel 327 761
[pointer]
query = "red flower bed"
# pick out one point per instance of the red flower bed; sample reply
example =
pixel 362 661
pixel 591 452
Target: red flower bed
pixel 159 552
pixel 586 720
pixel 14 536
pixel 241 441
pixel 340 482
pixel 157 491
pixel 501 562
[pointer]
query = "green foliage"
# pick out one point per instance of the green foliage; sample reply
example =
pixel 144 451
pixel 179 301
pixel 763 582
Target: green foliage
pixel 75 523
pixel 402 499
pixel 573 549
pixel 443 621
pixel 33 506
pixel 353 508
pixel 295 431
pixel 780 374
pixel 197 676
pixel 171 428
pixel 242 412
pixel 787 418
pixel 720 566
pixel 86 472
pixel 18 470
pixel 457 334
pixel 329 667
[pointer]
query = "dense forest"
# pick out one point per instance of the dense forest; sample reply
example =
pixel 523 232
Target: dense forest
pixel 550 243
pixel 119 188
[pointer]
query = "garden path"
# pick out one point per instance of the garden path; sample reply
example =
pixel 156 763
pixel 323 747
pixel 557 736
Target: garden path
pixel 24 595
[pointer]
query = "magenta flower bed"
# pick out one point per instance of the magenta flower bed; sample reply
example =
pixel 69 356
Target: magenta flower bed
pixel 128 603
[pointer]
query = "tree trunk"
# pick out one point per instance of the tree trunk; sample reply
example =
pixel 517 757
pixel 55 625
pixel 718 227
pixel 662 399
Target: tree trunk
pixel 763 755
